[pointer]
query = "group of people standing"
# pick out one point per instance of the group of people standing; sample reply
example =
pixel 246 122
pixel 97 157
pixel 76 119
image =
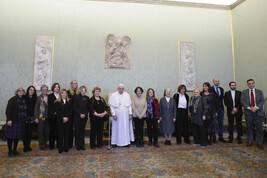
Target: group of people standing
pixel 56 115
pixel 59 112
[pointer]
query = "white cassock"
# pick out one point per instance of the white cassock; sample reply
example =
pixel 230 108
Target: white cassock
pixel 122 128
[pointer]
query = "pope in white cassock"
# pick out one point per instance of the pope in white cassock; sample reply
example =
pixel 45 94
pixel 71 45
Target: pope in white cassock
pixel 121 110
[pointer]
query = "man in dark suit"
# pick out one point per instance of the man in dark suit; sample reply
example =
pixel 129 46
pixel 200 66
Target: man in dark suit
pixel 220 115
pixel 232 100
pixel 253 100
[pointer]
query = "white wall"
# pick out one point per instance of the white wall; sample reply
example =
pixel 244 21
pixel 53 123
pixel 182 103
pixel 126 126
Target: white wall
pixel 80 29
pixel 250 37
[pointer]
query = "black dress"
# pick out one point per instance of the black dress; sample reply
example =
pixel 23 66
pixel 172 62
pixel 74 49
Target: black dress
pixel 97 123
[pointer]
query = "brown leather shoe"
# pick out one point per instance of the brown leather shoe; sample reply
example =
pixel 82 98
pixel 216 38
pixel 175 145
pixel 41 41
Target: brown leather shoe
pixel 260 146
pixel 249 144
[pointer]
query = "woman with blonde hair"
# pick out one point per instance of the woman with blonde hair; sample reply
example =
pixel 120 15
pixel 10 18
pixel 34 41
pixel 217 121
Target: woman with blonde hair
pixel 72 92
pixel 63 110
pixel 98 111
pixel 81 108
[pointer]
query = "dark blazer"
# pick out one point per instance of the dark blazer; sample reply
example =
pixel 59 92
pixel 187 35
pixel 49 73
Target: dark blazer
pixel 228 101
pixel 219 98
pixel 259 101
pixel 12 109
pixel 176 98
pixel 196 118
pixel 51 107
pixel 63 110
pixel 81 106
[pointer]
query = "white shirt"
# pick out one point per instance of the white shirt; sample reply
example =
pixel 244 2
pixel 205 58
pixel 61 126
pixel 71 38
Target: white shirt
pixel 64 101
pixel 182 102
pixel 167 98
pixel 233 97
pixel 56 95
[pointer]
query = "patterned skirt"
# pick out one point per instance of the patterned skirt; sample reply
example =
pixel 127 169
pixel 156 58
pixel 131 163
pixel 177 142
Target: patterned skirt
pixel 15 131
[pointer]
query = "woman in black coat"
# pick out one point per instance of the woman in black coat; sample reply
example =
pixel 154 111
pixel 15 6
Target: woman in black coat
pixel 30 98
pixel 63 110
pixel 15 114
pixel 196 108
pixel 81 109
pixel 182 122
pixel 52 118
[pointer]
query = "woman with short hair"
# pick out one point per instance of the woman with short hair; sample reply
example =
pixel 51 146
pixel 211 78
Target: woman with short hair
pixel 81 109
pixel 167 116
pixel 139 105
pixel 197 119
pixel 181 123
pixel 52 117
pixel 16 112
pixel 40 113
pixel 98 111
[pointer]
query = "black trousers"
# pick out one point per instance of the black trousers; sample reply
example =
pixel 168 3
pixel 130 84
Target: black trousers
pixel 71 133
pixel 63 136
pixel 79 132
pixel 53 132
pixel 231 120
pixel 139 125
pixel 10 142
pixel 97 125
pixel 199 134
pixel 182 125
pixel 27 135
pixel 152 129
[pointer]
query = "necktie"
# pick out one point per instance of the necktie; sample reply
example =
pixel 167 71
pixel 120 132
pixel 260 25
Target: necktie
pixel 252 101
pixel 217 91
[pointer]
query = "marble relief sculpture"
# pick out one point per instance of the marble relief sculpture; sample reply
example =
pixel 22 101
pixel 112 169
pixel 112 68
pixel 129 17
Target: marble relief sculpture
pixel 43 61
pixel 117 52
pixel 187 64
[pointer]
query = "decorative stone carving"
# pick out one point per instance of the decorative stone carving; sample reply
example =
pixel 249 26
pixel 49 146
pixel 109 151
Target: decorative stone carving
pixel 117 52
pixel 43 61
pixel 188 64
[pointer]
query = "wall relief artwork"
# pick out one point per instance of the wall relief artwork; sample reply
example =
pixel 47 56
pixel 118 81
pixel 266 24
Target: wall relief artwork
pixel 43 61
pixel 188 64
pixel 117 52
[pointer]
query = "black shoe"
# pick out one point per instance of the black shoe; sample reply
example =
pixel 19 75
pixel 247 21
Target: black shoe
pixel 60 151
pixel 188 142
pixel 78 149
pixel 25 150
pixel 214 140
pixel 141 144
pixel 11 155
pixel 16 153
pixel 178 143
pixel 239 141
pixel 82 148
pixel 166 142
pixel 66 151
pixel 51 148
pixel 222 140
pixel 169 142
pixel 230 141
pixel 137 143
